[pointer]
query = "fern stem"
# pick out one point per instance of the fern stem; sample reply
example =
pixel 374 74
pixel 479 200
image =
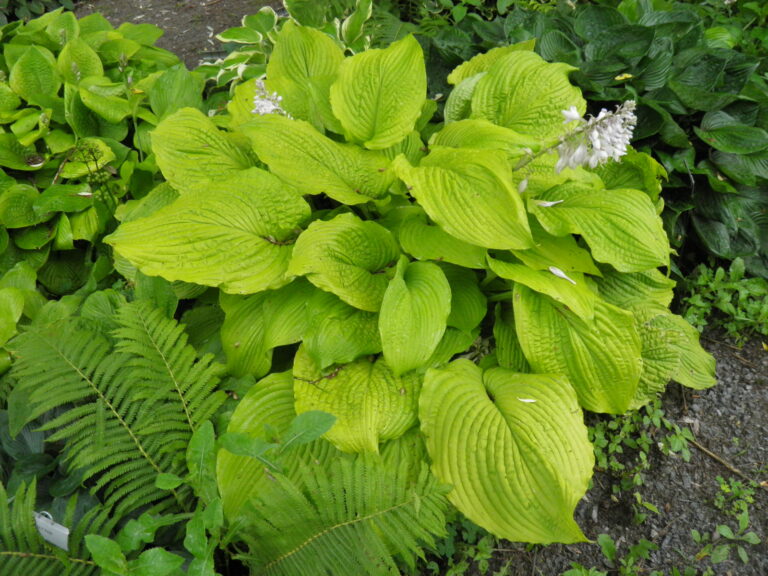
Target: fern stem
pixel 45 557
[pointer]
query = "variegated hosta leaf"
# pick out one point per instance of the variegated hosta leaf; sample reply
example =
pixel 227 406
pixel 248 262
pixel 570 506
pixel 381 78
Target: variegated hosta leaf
pixel 268 406
pixel 315 164
pixel 570 289
pixel 513 446
pixel 468 194
pixel 370 403
pixel 379 94
pixel 482 62
pixel 426 241
pixel 413 314
pixel 337 333
pixel 601 358
pixel 236 234
pixel 255 324
pixel 620 226
pixel 301 69
pixel 346 256
pixel 523 92
pixel 191 151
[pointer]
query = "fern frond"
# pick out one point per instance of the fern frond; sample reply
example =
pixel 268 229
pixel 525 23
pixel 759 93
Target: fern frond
pixel 349 517
pixel 23 552
pixel 131 400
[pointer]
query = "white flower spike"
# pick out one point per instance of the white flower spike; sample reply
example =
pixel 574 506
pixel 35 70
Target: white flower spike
pixel 265 103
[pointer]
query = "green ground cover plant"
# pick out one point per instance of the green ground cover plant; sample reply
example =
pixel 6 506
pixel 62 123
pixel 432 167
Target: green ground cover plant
pixel 312 319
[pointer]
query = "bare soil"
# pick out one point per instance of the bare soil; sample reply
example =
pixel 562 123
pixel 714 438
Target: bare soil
pixel 730 421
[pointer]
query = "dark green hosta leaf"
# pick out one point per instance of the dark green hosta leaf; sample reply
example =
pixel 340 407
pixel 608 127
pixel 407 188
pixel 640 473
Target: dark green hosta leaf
pixel 315 164
pixel 237 234
pixel 64 198
pixel 601 358
pixel 414 314
pixel 489 425
pixel 620 226
pixel 379 94
pixel 723 132
pixel 749 169
pixel 369 402
pixel 347 256
pixel 301 69
pixel 449 183
pixel 15 155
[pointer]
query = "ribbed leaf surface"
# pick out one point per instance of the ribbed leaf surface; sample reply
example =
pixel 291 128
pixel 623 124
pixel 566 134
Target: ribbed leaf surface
pixel 370 403
pixel 620 226
pixel 513 446
pixel 426 241
pixel 315 164
pixel 482 62
pixel 379 93
pixel 414 313
pixel 468 194
pixel 237 234
pixel 346 256
pixel 600 358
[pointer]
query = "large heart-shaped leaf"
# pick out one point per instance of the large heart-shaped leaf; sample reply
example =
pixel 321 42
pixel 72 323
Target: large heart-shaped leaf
pixel 414 313
pixel 379 93
pixel 301 69
pixel 191 151
pixel 237 235
pixel 620 226
pixel 601 358
pixel 468 193
pixel 346 256
pixel 513 446
pixel 370 403
pixel 315 164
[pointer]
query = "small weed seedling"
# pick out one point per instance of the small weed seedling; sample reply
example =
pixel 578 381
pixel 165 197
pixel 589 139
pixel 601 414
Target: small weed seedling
pixel 719 546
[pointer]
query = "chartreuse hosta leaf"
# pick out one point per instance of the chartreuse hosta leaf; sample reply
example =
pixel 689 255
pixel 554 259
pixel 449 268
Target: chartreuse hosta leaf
pixel 523 92
pixel 414 313
pixel 315 164
pixel 347 256
pixel 370 403
pixel 379 93
pixel 601 358
pixel 482 62
pixel 468 194
pixel 508 351
pixel 468 303
pixel 562 252
pixel 191 151
pixel 237 234
pixel 337 333
pixel 570 289
pixel 620 226
pixel 482 134
pixel 255 324
pixel 301 69
pixel 513 446
pixel 267 409
pixel 649 288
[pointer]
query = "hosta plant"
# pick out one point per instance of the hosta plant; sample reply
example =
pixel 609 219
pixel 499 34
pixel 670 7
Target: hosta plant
pixel 444 292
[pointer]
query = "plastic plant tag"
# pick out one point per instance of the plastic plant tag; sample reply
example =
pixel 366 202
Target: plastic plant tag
pixel 51 531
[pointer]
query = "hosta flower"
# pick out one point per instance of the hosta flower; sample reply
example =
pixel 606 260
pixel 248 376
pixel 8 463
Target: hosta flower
pixel 265 102
pixel 597 139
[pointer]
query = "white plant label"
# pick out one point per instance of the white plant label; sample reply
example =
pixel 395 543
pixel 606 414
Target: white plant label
pixel 51 531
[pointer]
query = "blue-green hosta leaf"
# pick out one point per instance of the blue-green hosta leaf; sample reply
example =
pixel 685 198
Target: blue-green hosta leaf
pixel 482 134
pixel 523 92
pixel 303 65
pixel 77 60
pixel 570 289
pixel 620 226
pixel 267 409
pixel 337 333
pixel 725 133
pixel 601 358
pixel 413 314
pixel 370 403
pixel 482 62
pixel 254 325
pixel 315 164
pixel 643 290
pixel 346 256
pixel 191 151
pixel 513 446
pixel 562 252
pixel 379 94
pixel 426 241
pixel 237 234
pixel 468 193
